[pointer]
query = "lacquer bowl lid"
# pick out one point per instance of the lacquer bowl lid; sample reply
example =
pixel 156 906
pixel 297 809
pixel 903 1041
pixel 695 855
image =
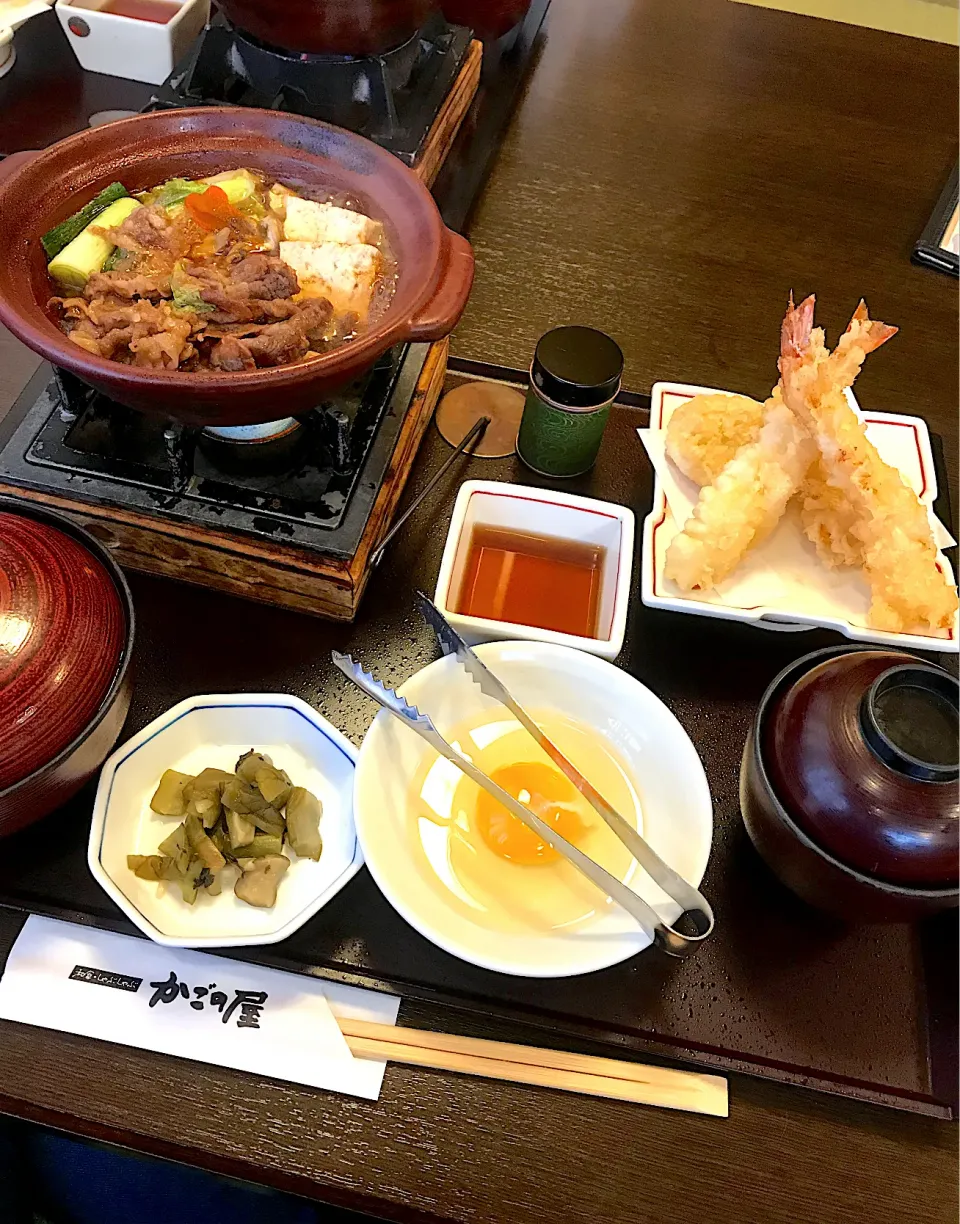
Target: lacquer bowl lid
pixel 62 634
pixel 861 751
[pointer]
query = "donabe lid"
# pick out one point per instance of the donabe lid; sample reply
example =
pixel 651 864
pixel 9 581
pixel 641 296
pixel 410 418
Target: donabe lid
pixel 578 367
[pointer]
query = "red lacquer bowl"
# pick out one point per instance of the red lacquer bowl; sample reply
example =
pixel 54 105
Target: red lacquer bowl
pixel 66 631
pixel 882 816
pixel 848 784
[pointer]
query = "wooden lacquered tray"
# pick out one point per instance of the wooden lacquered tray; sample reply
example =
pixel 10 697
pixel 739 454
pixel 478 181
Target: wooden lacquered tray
pixel 780 991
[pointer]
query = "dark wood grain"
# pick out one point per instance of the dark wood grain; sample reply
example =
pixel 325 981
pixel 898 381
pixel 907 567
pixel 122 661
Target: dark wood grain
pixel 673 170
pixel 442 1147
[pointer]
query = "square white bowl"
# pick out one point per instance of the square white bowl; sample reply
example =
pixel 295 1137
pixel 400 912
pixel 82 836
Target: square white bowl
pixel 127 46
pixel 214 731
pixel 541 512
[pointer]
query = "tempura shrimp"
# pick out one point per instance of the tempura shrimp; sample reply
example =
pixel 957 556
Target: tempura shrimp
pixel 744 503
pixel 705 433
pixel 909 590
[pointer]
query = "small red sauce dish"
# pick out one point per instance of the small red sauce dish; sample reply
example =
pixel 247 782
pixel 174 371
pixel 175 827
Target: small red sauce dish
pixel 849 784
pixel 66 637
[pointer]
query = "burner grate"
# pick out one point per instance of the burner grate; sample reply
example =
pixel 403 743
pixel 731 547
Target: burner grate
pixel 393 98
pixel 313 483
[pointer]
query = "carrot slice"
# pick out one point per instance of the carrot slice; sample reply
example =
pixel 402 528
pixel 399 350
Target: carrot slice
pixel 211 209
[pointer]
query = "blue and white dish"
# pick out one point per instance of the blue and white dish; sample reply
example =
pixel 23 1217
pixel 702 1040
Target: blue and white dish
pixel 214 731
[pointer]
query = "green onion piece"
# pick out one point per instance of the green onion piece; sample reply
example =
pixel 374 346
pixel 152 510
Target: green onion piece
pixel 54 240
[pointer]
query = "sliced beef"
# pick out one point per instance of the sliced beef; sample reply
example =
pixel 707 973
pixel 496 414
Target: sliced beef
pixel 278 343
pixel 152 335
pixel 163 349
pixel 315 316
pixel 235 289
pixel 127 286
pixel 275 343
pixel 231 354
pixel 247 311
pixel 147 228
pixel 266 277
pixel 217 331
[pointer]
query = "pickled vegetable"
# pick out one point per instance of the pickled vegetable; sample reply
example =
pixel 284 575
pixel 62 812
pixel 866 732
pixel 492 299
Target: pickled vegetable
pixel 189 881
pixel 303 814
pixel 152 866
pixel 221 839
pixel 249 763
pixel 232 822
pixel 261 846
pixel 177 847
pixel 274 785
pixel 201 845
pixel 169 799
pixel 268 820
pixel 260 879
pixel 238 796
pixel 203 795
pixel 240 830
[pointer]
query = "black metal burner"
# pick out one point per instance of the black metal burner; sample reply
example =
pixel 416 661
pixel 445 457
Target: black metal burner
pixel 313 484
pixel 392 98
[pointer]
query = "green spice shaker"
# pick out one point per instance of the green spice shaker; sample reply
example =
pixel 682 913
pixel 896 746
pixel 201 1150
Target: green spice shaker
pixel 574 378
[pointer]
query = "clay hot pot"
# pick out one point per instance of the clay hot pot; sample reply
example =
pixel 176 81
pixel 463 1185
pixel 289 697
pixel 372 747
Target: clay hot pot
pixel 435 265
pixel 332 27
pixel 66 637
pixel 848 784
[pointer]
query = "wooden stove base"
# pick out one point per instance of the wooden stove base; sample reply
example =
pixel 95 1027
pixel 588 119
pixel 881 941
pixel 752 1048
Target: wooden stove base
pixel 451 115
pixel 258 569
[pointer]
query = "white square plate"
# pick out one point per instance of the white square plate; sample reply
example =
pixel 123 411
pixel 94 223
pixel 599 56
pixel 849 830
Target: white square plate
pixel 782 584
pixel 216 730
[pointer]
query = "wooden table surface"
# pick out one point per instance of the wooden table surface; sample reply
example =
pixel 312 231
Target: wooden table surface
pixel 673 170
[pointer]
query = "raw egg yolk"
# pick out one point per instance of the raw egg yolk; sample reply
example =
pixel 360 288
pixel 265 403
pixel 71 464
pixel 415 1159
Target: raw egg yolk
pixel 547 793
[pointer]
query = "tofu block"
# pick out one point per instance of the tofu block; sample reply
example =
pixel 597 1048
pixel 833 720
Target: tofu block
pixel 346 274
pixel 307 221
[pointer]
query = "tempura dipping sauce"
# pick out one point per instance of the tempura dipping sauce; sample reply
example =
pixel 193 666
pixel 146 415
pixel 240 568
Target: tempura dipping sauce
pixel 527 579
pixel 160 11
pixel 540 565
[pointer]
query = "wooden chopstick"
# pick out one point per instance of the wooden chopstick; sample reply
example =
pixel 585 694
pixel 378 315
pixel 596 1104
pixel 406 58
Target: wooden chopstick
pixel 608 1077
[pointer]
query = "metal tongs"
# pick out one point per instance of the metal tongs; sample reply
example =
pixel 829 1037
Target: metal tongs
pixel 694 906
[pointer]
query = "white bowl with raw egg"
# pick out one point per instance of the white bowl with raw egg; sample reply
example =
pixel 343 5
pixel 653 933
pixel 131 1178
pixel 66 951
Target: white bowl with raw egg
pixel 472 878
